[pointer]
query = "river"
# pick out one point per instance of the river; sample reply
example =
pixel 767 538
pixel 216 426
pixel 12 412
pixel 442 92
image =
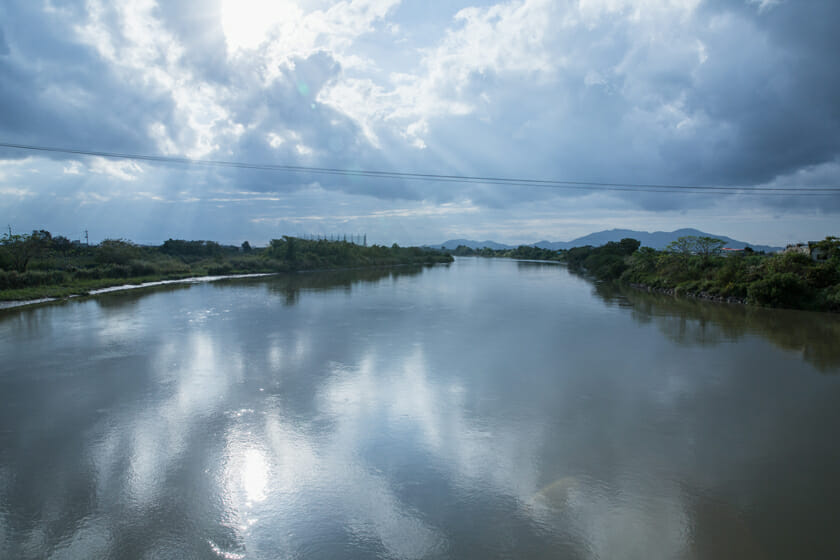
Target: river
pixel 483 409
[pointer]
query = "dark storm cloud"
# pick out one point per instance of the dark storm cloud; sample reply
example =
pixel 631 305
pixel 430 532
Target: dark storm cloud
pixel 772 79
pixel 759 95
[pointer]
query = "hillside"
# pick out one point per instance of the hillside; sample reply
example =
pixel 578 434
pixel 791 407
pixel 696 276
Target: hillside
pixel 453 244
pixel 656 240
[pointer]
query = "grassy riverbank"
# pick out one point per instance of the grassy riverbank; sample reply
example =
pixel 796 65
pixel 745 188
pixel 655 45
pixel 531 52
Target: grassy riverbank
pixel 40 266
pixel 696 267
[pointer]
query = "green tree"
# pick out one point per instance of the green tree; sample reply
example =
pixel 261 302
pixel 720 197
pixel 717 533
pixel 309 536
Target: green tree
pixel 629 245
pixel 116 251
pixel 828 248
pixel 693 245
pixel 643 261
pixel 708 246
pixel 682 245
pixel 62 245
pixel 291 248
pixel 191 249
pixel 783 289
pixel 19 248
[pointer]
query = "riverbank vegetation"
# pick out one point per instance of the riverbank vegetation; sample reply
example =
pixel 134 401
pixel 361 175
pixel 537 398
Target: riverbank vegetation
pixel 38 265
pixel 805 278
pixel 699 267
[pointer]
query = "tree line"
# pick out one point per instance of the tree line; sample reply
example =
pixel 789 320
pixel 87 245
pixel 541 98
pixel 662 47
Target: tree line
pixel 40 264
pixel 528 252
pixel 697 266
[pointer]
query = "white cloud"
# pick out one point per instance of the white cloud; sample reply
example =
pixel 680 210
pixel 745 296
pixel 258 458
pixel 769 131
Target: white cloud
pixel 165 143
pixel 149 57
pixel 12 163
pixel 527 44
pixel 507 39
pixel 764 5
pixel 635 10
pixel 363 101
pixel 86 198
pixel 16 192
pixel 287 31
pixel 246 23
pixel 274 140
pixel 422 210
pixel 303 150
pixel 74 168
pixel 11 167
pixel 125 170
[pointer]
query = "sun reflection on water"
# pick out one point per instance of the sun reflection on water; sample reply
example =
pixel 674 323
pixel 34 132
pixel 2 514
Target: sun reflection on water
pixel 246 476
pixel 254 475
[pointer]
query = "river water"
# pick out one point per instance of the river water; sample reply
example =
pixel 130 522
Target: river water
pixel 484 409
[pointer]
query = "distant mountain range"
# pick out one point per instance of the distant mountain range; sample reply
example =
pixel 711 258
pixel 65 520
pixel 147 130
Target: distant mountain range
pixel 455 243
pixel 657 240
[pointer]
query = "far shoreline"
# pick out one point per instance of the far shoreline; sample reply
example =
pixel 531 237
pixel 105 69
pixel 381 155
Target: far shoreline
pixel 38 268
pixel 125 287
pixel 14 304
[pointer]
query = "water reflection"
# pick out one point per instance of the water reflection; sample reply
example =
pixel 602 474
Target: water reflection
pixel 487 410
pixel 290 286
pixel 691 321
pixel 131 298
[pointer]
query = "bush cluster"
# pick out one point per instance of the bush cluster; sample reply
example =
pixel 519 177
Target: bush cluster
pixel 607 262
pixel 790 280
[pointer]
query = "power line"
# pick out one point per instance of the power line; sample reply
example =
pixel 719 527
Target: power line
pixel 802 190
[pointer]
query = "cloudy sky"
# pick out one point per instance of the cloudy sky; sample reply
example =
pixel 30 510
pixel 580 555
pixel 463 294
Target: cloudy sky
pixel 724 93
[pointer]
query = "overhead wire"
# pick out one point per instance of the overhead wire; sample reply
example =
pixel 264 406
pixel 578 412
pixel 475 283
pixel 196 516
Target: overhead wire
pixel 801 190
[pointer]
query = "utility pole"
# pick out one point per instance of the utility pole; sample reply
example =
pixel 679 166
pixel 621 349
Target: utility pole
pixel 10 231
pixel 87 241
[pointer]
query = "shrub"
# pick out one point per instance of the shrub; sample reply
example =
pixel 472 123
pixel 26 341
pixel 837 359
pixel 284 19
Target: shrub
pixel 687 288
pixel 142 268
pixel 116 251
pixel 217 270
pixel 789 262
pixel 783 289
pixel 10 280
pixel 823 275
pixel 831 297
